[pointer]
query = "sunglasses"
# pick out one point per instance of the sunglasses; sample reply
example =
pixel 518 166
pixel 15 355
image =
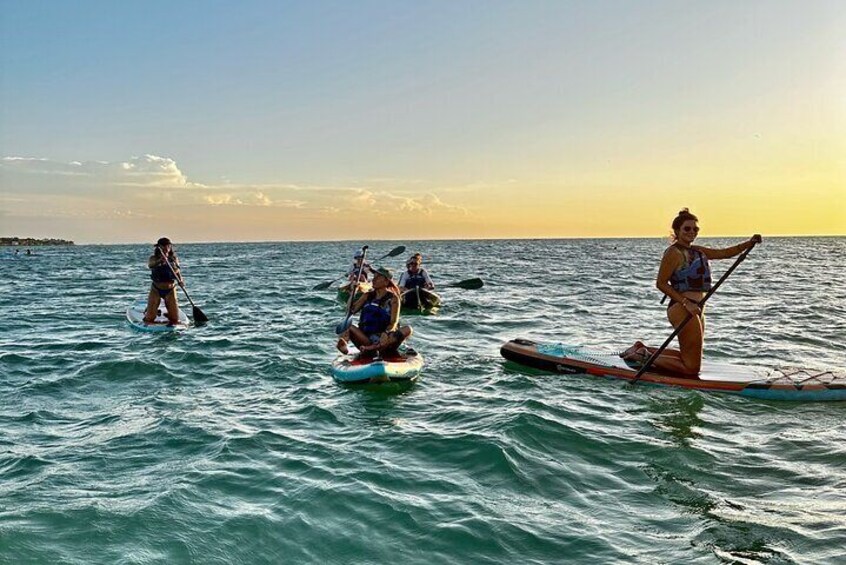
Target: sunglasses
pixel 689 229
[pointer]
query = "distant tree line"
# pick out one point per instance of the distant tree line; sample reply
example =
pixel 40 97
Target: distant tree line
pixel 31 241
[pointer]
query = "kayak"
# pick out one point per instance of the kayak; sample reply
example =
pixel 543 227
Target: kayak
pixel 403 366
pixel 135 317
pixel 714 376
pixel 420 300
pixel 344 290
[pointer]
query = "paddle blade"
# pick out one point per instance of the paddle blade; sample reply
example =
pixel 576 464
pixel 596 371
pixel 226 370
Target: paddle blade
pixel 393 252
pixel 470 284
pixel 343 326
pixel 322 286
pixel 199 316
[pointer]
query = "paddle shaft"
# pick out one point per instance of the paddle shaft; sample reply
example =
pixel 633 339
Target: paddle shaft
pixel 689 316
pixel 354 285
pixel 182 285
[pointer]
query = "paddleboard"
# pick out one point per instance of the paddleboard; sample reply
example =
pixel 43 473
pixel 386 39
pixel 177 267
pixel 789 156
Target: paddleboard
pixel 401 367
pixel 714 376
pixel 135 317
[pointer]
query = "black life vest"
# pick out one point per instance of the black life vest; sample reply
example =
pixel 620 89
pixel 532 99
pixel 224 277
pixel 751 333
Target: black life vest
pixel 416 280
pixel 161 273
pixel 376 313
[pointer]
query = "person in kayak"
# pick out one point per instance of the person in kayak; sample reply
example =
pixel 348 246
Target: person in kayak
pixel 164 281
pixel 378 327
pixel 415 275
pixel 354 270
pixel 685 277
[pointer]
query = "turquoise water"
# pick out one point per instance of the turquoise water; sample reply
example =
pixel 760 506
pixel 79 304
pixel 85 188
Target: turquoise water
pixel 230 443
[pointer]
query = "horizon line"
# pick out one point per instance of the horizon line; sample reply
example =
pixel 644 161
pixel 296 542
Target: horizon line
pixel 563 238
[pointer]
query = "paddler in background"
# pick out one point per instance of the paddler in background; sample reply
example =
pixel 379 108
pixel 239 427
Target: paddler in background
pixel 685 276
pixel 415 276
pixel 164 278
pixel 378 328
pixel 356 268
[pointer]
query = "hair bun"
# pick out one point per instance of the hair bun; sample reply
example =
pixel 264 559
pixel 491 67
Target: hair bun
pixel 684 211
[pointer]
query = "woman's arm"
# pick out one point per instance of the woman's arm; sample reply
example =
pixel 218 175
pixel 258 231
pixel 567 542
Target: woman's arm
pixel 394 313
pixel 359 303
pixel 729 252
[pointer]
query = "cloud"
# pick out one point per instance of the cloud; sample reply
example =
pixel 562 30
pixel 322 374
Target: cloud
pixel 386 203
pixel 145 171
pixel 125 195
pixel 255 198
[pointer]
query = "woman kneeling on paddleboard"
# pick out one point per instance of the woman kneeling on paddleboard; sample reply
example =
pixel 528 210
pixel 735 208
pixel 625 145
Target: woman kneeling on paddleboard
pixel 685 276
pixel 378 327
pixel 164 270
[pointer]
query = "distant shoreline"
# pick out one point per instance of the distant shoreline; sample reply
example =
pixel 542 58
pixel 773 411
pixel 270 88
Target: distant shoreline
pixel 32 242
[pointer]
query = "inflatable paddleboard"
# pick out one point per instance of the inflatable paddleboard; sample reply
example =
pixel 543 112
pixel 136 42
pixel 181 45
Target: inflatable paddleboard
pixel 420 300
pixel 135 317
pixel 715 376
pixel 401 367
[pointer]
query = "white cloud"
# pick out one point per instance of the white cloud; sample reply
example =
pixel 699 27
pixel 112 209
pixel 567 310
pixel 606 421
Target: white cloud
pixel 386 203
pixel 40 173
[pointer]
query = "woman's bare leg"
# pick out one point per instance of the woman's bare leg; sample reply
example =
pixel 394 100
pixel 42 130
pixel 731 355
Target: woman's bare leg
pixel 152 310
pixel 172 307
pixel 688 361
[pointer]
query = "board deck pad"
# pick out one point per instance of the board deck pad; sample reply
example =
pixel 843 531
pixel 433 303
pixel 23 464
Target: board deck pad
pixel 135 317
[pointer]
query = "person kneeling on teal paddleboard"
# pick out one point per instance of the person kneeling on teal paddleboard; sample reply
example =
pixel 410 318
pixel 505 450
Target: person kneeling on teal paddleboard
pixel 378 328
pixel 164 277
pixel 685 277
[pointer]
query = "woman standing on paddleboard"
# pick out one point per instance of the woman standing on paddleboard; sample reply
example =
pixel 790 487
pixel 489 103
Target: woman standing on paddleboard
pixel 685 276
pixel 164 270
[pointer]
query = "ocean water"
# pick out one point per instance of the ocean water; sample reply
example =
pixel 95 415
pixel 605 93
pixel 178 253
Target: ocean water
pixel 231 443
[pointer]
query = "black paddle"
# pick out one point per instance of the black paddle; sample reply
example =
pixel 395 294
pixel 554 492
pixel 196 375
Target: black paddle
pixel 198 315
pixel 469 284
pixel 676 332
pixel 393 253
pixel 342 327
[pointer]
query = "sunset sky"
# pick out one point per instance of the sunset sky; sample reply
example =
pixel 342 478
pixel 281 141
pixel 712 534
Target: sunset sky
pixel 247 121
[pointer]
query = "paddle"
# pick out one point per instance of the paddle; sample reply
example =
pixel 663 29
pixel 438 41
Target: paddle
pixel 469 284
pixel 342 327
pixel 392 253
pixel 676 332
pixel 198 315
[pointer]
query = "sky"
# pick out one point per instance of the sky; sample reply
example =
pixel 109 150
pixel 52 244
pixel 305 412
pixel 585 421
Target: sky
pixel 261 121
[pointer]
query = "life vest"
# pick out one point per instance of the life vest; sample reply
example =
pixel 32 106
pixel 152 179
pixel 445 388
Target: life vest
pixel 376 313
pixel 414 281
pixel 693 275
pixel 161 273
